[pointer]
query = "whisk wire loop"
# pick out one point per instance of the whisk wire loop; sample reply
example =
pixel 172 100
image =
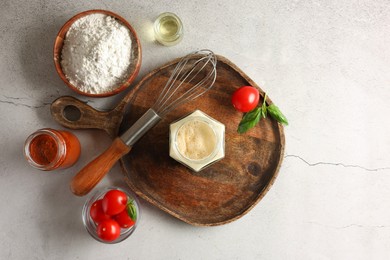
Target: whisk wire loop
pixel 187 81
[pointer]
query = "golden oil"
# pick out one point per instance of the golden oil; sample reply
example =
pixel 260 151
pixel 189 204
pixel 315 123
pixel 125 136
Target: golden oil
pixel 168 29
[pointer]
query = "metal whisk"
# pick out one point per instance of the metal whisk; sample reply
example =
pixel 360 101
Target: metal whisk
pixel 194 75
pixel 186 73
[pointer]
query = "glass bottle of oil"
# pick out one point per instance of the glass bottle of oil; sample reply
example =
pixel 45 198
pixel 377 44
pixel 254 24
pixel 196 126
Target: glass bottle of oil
pixel 168 29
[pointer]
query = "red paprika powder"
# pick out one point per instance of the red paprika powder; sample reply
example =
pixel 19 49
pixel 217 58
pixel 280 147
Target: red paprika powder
pixel 49 149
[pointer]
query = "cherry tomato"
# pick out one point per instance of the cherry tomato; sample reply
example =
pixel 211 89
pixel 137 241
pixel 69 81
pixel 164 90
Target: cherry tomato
pixel 114 202
pixel 96 212
pixel 108 230
pixel 245 98
pixel 124 220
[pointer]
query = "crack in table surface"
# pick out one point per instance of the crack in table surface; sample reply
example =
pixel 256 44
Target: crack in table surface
pixel 336 164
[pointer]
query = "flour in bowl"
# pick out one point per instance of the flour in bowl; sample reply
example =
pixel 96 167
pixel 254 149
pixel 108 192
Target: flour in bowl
pixel 96 54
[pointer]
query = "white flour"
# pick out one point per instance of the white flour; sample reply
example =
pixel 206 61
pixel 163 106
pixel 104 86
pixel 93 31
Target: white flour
pixel 96 54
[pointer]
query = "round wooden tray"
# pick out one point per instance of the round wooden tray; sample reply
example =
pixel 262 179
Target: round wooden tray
pixel 222 192
pixel 216 195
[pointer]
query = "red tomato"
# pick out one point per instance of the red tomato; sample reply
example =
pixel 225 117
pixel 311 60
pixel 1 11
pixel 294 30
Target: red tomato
pixel 96 212
pixel 124 220
pixel 245 98
pixel 114 202
pixel 108 230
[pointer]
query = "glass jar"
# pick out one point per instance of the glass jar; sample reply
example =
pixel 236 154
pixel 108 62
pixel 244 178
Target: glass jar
pixel 168 29
pixel 197 141
pixel 48 149
pixel 91 226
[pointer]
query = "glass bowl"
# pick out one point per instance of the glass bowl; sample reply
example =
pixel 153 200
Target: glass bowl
pixel 168 29
pixel 90 225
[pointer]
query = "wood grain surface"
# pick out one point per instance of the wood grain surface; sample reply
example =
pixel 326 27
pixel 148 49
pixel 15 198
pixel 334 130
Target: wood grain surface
pixel 217 195
pixel 222 192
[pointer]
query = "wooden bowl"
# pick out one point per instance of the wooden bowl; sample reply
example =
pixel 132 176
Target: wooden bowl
pixel 136 55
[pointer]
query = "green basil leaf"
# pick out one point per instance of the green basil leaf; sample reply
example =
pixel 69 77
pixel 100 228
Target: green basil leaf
pixel 249 120
pixel 264 107
pixel 276 114
pixel 251 115
pixel 131 210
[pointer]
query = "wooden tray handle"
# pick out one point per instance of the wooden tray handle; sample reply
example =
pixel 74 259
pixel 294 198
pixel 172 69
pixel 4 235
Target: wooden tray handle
pixel 86 179
pixel 75 114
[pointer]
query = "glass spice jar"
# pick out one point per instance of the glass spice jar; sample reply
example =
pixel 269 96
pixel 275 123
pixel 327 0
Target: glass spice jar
pixel 48 149
pixel 197 141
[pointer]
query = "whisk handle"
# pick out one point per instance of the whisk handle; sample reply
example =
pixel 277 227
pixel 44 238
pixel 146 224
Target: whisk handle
pixel 86 179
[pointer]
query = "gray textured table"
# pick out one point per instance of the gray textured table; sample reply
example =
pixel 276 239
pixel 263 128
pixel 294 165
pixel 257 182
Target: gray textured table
pixel 324 63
